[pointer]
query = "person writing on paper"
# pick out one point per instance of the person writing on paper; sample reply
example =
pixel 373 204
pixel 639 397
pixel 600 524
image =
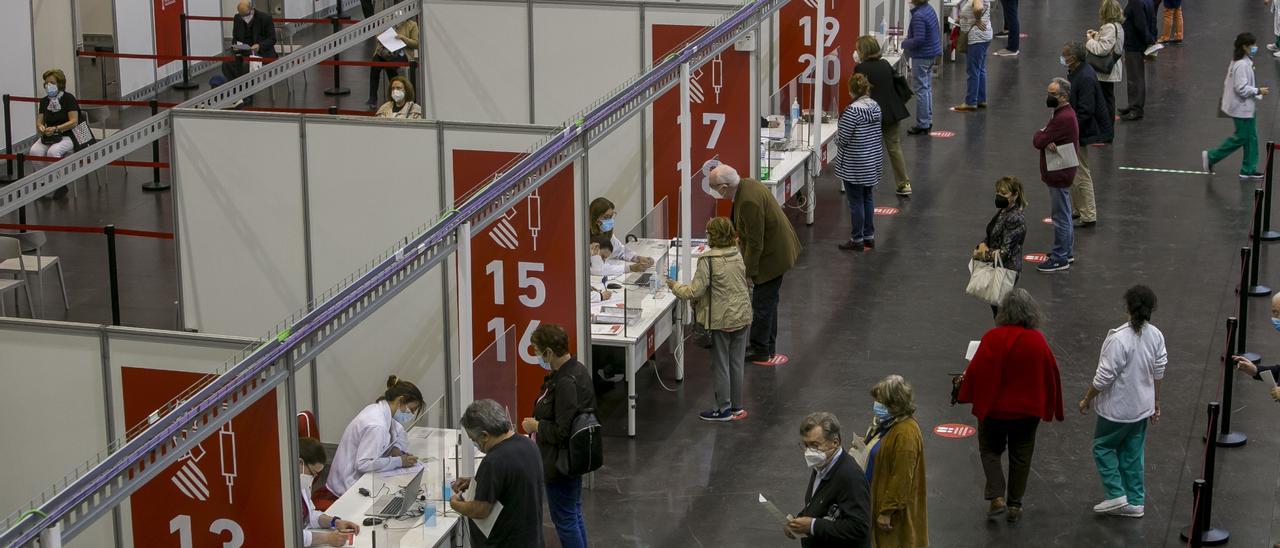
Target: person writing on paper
pixel 566 392
pixel 836 500
pixel 723 307
pixel 400 101
pixel 252 34
pixel 59 114
pixel 601 212
pixel 1256 371
pixel 1126 387
pixel 601 250
pixel 1062 131
pixel 509 482
pixel 311 463
pixel 407 32
pixel 892 453
pixel 1006 230
pixel 374 441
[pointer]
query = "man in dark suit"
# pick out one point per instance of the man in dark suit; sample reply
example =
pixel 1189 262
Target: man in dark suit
pixel 837 500
pixel 253 29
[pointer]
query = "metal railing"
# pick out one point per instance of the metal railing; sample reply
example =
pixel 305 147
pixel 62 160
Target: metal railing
pixel 137 460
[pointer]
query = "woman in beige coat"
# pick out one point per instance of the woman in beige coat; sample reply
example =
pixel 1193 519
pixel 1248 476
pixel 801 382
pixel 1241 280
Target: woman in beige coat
pixel 1108 39
pixel 723 307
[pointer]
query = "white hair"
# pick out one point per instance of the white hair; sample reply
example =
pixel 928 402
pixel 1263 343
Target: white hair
pixel 725 174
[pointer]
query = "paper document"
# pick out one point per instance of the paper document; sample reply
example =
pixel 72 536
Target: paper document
pixel 973 349
pixel 614 329
pixel 240 47
pixel 486 524
pixel 389 40
pixel 1062 158
pixel 773 510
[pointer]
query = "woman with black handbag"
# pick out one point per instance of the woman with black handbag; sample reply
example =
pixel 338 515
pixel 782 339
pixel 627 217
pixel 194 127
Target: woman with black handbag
pixel 59 114
pixel 1006 230
pixel 723 307
pixel 892 98
pixel 1105 47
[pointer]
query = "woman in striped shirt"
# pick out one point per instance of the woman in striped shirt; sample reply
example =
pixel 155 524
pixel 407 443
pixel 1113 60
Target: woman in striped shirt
pixel 860 163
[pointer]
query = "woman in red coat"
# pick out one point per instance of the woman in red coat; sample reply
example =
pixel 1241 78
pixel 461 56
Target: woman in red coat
pixel 1013 383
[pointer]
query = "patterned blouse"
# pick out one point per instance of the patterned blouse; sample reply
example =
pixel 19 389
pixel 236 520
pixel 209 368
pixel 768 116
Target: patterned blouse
pixel 1005 232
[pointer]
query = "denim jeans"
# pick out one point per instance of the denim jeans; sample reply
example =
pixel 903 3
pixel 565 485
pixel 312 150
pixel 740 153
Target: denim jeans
pixel 564 499
pixel 1011 23
pixel 921 83
pixel 976 68
pixel 862 209
pixel 1063 235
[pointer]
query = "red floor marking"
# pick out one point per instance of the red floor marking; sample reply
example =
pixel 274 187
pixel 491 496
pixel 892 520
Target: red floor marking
pixel 1048 220
pixel 954 431
pixel 1035 258
pixel 886 210
pixel 776 361
pixel 942 134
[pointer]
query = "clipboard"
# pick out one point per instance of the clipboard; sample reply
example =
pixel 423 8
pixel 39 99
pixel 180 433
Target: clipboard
pixel 485 525
pixel 1063 157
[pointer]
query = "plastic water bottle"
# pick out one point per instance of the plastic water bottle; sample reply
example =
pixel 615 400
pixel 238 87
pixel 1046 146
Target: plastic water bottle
pixel 429 514
pixel 795 110
pixel 673 271
pixel 447 491
pixel 884 26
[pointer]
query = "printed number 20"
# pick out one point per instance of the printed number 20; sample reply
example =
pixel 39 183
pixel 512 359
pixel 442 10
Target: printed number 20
pixel 830 72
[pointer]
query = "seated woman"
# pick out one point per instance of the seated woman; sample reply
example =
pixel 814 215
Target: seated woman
pixel 59 113
pixel 401 104
pixel 374 441
pixel 310 463
pixel 601 212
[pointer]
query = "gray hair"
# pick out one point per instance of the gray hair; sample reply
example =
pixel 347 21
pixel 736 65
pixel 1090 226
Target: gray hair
pixel 827 421
pixel 487 417
pixel 1064 87
pixel 724 173
pixel 1076 49
pixel 1018 308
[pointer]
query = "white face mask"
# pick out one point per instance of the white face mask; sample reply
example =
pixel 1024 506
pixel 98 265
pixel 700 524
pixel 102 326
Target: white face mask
pixel 857 58
pixel 814 458
pixel 397 95
pixel 305 481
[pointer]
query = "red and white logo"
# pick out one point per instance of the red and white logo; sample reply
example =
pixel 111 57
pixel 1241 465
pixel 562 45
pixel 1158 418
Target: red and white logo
pixel 942 134
pixel 954 431
pixel 886 210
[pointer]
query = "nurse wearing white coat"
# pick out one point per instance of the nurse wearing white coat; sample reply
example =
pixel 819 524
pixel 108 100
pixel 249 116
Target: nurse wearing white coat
pixel 601 212
pixel 375 439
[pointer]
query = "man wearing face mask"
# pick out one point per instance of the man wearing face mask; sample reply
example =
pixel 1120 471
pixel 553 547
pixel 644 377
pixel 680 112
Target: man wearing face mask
pixel 1061 131
pixel 254 30
pixel 1256 371
pixel 1096 126
pixel 310 463
pixel 837 500
pixel 566 392
pixel 510 474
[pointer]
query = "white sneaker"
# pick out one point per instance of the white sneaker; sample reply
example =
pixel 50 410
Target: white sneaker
pixel 1272 47
pixel 1276 55
pixel 1205 165
pixel 1110 504
pixel 1129 511
pixel 1005 53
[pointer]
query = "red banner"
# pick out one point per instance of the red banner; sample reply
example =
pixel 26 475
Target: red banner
pixel 167 17
pixel 720 106
pixel 523 273
pixel 797 29
pixel 225 491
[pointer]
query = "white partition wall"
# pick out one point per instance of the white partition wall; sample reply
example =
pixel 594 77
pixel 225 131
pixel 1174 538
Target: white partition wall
pixel 54 41
pixel 239 203
pixel 17 66
pixel 135 34
pixel 580 54
pixel 478 57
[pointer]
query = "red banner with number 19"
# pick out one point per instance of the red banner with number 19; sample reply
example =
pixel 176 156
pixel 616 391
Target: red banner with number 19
pixel 797 30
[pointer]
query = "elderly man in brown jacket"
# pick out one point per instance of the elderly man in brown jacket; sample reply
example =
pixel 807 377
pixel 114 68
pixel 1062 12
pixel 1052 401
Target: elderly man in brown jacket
pixel 769 249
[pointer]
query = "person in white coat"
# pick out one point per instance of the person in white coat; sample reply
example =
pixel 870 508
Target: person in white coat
pixel 1240 96
pixel 375 441
pixel 318 529
pixel 601 212
pixel 1126 388
pixel 1106 41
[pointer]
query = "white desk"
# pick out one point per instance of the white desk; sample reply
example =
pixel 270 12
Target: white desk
pixel 654 327
pixel 440 444
pixel 793 173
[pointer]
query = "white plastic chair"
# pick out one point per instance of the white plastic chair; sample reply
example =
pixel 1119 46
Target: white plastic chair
pixel 10 249
pixel 34 264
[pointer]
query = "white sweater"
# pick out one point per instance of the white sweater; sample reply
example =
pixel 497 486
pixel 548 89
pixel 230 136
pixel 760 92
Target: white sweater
pixel 1240 93
pixel 1128 368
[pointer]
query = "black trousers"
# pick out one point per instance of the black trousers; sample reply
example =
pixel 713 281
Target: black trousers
pixel 236 69
pixel 764 318
pixel 367 7
pixel 375 75
pixel 1019 436
pixel 1109 93
pixel 1135 76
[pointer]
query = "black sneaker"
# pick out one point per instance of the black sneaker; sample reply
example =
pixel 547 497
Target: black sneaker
pixel 1053 265
pixel 850 246
pixel 1002 34
pixel 917 130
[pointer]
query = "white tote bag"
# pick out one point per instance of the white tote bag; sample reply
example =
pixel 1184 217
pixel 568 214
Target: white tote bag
pixel 990 282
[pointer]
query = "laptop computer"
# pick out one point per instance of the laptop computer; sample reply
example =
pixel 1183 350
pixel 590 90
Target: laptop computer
pixel 394 505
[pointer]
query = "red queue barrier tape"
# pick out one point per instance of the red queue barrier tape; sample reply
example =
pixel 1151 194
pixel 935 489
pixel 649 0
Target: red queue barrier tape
pixel 304 111
pixel 89 230
pixel 118 163
pixel 277 20
pixel 226 58
pixel 102 102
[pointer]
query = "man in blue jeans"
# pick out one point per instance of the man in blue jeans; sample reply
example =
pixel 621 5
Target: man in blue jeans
pixel 1062 131
pixel 923 45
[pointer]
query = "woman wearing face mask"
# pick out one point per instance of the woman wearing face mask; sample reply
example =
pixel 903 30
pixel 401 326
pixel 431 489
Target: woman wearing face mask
pixel 601 212
pixel 333 530
pixel 407 32
pixel 59 113
pixel 893 108
pixel 1006 230
pixel 1240 96
pixel 892 454
pixel 566 392
pixel 375 441
pixel 401 104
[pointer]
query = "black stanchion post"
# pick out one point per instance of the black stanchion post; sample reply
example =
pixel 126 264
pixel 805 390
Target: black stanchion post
pixel 1197 526
pixel 155 184
pixel 1203 504
pixel 333 110
pixel 1255 254
pixel 1269 235
pixel 337 88
pixel 1227 438
pixel 186 82
pixel 8 141
pixel 110 231
pixel 1243 312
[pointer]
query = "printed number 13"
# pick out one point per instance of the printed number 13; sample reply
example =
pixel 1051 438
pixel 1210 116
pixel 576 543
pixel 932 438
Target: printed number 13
pixel 181 525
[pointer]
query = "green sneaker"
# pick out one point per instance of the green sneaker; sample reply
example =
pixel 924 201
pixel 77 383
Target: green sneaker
pixel 904 189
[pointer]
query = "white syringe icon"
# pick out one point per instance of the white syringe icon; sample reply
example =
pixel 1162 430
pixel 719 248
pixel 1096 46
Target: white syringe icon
pixel 535 216
pixel 717 75
pixel 227 457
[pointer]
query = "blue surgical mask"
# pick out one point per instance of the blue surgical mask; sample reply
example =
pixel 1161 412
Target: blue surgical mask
pixel 403 417
pixel 51 89
pixel 881 412
pixel 1276 323
pixel 542 362
pixel 1253 50
pixel 606 225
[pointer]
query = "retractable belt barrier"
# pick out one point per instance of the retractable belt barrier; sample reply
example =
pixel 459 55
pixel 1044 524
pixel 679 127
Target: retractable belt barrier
pixel 231 58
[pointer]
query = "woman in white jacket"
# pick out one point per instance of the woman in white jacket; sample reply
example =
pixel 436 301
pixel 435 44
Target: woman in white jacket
pixel 1240 96
pixel 1106 41
pixel 375 441
pixel 1127 389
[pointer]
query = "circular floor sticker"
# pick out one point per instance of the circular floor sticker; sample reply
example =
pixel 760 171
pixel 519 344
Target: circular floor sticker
pixel 1048 220
pixel 886 210
pixel 942 134
pixel 1035 258
pixel 955 431
pixel 776 361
